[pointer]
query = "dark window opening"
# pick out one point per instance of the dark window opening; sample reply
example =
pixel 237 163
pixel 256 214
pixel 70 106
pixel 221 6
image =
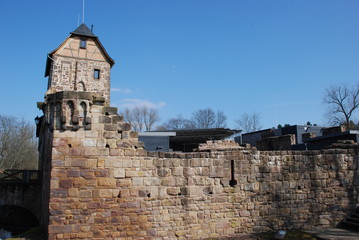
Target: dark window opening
pixel 232 182
pixel 96 74
pixel 82 43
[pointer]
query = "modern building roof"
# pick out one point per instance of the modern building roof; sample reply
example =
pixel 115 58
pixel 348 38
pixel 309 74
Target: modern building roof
pixel 202 135
pixel 188 140
pixel 326 141
pixel 334 136
pixel 157 134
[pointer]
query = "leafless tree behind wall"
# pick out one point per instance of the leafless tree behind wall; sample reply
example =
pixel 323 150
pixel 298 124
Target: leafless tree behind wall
pixel 177 123
pixel 200 119
pixel 141 118
pixel 249 122
pixel 221 119
pixel 342 102
pixel 207 118
pixel 18 145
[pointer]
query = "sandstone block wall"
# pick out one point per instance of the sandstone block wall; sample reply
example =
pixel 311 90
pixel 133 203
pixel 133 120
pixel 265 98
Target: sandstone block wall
pixel 99 182
pixel 104 185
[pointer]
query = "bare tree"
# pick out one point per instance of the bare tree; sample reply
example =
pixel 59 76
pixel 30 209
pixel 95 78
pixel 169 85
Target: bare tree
pixel 128 116
pixel 18 145
pixel 342 102
pixel 221 119
pixel 249 122
pixel 141 118
pixel 177 123
pixel 138 119
pixel 201 119
pixel 207 118
pixel 150 117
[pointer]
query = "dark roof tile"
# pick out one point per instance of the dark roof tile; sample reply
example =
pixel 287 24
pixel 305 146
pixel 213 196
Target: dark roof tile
pixel 83 30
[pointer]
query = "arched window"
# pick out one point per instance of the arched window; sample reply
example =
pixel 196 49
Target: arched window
pixel 51 114
pixel 83 113
pixel 81 87
pixel 58 111
pixel 70 110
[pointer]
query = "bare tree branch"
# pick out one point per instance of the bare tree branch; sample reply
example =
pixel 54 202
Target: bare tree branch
pixel 342 102
pixel 150 117
pixel 18 146
pixel 249 122
pixel 201 119
pixel 177 123
pixel 221 119
pixel 207 118
pixel 141 118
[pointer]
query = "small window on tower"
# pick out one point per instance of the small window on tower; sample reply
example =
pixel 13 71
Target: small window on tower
pixel 82 43
pixel 96 74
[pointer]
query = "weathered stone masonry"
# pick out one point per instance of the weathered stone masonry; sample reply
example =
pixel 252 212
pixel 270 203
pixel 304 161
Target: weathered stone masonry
pixel 105 186
pixel 100 183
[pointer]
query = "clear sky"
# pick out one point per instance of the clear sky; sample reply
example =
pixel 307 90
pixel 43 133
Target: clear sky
pixel 272 57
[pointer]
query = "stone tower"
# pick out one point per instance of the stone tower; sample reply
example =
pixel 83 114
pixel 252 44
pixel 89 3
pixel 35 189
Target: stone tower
pixel 80 64
pixel 79 131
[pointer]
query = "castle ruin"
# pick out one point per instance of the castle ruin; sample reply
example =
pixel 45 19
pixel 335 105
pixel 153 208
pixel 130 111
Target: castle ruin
pixel 100 183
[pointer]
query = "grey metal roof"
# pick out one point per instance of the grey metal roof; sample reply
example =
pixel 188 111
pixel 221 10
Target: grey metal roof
pixel 83 30
pixel 333 135
pixel 157 134
pixel 201 135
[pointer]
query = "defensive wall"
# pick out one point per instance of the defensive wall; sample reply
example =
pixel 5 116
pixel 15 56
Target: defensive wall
pixel 102 184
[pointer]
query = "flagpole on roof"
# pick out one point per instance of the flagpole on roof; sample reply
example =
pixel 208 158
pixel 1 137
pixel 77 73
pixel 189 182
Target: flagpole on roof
pixel 83 11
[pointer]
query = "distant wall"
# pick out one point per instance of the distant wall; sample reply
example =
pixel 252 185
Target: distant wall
pixel 283 142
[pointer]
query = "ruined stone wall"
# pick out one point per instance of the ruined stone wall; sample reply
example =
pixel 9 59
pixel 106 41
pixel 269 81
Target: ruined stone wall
pixel 190 197
pixel 104 185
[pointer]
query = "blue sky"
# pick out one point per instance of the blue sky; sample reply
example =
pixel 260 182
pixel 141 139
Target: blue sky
pixel 274 57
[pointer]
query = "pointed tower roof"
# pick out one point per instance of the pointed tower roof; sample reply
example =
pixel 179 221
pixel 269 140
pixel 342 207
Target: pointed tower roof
pixel 83 30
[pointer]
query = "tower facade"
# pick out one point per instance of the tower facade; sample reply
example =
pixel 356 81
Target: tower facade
pixel 80 64
pixel 79 132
